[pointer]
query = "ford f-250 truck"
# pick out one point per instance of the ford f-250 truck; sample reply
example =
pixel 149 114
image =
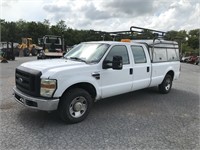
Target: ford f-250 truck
pixel 93 71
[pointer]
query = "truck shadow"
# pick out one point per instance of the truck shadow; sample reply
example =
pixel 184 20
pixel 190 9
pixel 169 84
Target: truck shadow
pixel 141 102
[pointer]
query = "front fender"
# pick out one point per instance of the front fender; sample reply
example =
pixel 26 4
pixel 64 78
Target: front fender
pixel 64 83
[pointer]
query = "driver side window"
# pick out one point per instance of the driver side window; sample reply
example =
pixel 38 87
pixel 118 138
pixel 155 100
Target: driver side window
pixel 118 50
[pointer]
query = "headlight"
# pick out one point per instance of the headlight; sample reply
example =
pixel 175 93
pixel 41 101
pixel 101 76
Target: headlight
pixel 48 87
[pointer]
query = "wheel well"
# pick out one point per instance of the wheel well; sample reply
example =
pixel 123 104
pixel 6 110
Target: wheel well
pixel 86 86
pixel 171 73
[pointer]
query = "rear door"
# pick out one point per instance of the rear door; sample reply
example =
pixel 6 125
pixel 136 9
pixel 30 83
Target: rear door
pixel 141 67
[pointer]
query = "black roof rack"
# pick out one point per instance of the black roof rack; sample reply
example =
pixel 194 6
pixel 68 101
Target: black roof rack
pixel 161 33
pixel 140 31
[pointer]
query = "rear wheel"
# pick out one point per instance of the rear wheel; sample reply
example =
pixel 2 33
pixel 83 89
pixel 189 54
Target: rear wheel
pixel 41 55
pixel 166 85
pixel 7 55
pixel 34 52
pixel 75 105
pixel 16 52
pixel 13 57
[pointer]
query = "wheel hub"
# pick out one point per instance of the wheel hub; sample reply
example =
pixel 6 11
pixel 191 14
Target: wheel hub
pixel 78 106
pixel 168 84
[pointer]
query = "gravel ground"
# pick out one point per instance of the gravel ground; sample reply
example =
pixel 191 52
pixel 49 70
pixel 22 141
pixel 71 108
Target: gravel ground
pixel 142 120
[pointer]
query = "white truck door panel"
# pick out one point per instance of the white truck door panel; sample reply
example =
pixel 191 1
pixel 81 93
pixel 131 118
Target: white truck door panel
pixel 114 82
pixel 141 78
pixel 141 68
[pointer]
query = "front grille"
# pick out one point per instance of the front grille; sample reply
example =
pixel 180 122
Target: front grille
pixel 28 80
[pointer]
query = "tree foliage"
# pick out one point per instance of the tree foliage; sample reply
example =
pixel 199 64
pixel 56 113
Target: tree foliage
pixel 14 31
pixel 19 29
pixel 189 42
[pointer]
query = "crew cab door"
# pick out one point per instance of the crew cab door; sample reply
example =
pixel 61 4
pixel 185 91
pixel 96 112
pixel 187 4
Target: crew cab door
pixel 141 67
pixel 114 82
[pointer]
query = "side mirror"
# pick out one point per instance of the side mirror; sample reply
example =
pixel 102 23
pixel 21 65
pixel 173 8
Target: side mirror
pixel 116 64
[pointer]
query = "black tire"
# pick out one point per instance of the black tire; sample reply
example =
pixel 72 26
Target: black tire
pixel 13 57
pixel 16 52
pixel 166 85
pixel 26 52
pixel 75 105
pixel 34 52
pixel 41 56
pixel 7 55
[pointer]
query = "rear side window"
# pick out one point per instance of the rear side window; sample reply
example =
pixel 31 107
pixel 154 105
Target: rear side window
pixel 159 55
pixel 118 50
pixel 165 54
pixel 138 54
pixel 172 54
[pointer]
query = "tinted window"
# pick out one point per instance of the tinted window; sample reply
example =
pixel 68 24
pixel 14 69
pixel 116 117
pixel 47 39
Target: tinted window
pixel 118 50
pixel 138 54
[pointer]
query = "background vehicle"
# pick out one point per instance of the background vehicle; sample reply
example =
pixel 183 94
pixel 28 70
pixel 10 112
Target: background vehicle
pixel 185 59
pixel 7 50
pixel 52 47
pixel 193 60
pixel 27 47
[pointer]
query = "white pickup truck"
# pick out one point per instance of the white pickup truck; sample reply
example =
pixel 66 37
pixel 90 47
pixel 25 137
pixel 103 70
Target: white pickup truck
pixel 96 70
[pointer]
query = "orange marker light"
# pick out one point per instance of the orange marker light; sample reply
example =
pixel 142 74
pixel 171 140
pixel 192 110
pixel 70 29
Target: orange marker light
pixel 125 40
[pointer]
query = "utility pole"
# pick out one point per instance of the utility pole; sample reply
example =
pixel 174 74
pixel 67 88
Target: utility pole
pixel 103 36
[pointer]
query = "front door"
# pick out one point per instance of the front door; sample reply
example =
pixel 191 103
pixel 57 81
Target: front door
pixel 114 82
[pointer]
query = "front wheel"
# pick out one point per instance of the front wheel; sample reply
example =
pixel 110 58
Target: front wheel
pixel 26 52
pixel 75 105
pixel 166 85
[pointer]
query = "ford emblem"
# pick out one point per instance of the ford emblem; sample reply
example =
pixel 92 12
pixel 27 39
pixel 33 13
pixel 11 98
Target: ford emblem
pixel 20 79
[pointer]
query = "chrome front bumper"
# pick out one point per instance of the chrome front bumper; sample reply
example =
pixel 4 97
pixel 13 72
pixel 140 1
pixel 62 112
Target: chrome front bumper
pixel 35 103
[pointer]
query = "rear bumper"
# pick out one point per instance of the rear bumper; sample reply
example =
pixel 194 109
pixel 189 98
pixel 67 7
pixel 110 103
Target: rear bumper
pixel 35 103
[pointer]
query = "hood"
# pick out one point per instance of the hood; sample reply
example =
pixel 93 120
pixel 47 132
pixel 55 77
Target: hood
pixel 49 64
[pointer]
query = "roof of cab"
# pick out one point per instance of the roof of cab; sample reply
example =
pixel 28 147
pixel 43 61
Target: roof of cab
pixel 157 41
pixel 149 42
pixel 114 42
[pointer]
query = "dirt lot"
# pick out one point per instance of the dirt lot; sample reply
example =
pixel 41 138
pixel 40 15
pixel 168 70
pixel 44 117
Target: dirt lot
pixel 142 119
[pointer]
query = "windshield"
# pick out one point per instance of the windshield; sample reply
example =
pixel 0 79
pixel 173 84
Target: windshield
pixel 50 40
pixel 88 52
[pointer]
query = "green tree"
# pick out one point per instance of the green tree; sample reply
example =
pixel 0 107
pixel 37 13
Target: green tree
pixel 170 35
pixel 193 40
pixel 180 37
pixel 59 28
pixel 3 30
pixel 21 28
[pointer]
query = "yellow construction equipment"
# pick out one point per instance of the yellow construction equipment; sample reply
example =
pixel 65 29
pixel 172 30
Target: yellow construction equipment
pixel 27 47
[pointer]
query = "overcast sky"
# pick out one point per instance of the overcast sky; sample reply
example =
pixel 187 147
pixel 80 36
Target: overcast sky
pixel 107 15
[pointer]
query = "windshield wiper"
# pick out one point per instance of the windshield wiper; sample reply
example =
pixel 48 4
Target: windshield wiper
pixel 79 59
